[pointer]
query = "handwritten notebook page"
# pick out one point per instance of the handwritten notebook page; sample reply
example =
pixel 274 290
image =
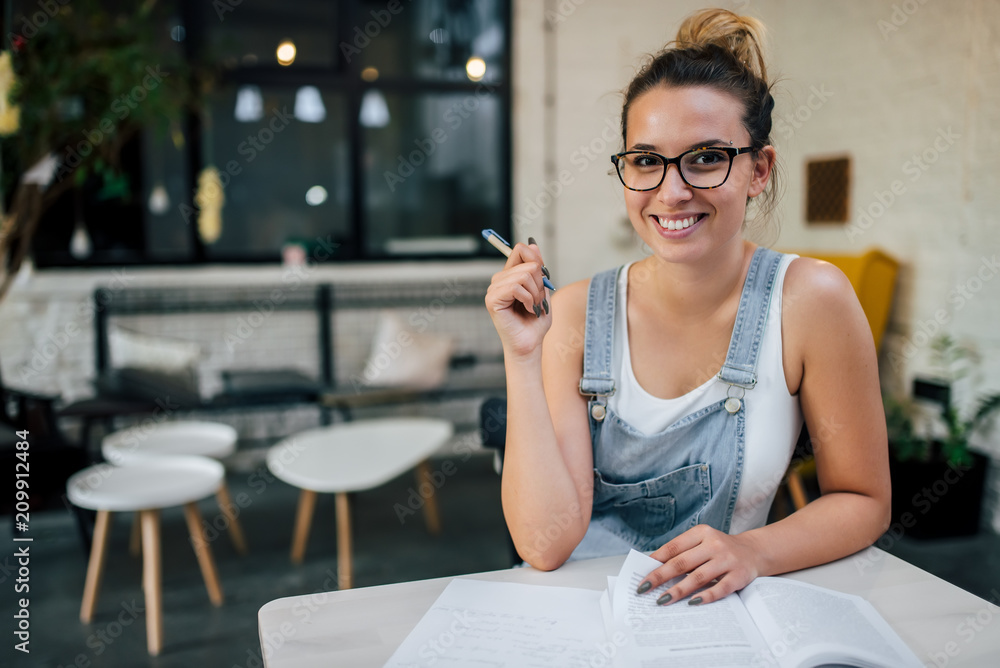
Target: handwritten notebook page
pixel 505 624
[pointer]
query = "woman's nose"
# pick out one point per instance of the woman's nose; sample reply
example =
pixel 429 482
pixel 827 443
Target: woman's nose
pixel 673 187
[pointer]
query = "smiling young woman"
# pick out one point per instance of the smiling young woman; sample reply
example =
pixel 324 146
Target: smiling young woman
pixel 668 425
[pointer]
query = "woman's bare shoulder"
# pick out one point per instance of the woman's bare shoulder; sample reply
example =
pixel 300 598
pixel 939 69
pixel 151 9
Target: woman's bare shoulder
pixel 820 308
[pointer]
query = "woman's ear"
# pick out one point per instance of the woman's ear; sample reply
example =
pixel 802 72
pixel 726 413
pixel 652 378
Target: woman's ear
pixel 763 162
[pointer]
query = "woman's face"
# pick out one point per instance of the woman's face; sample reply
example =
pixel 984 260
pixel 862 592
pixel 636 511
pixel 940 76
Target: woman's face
pixel 669 121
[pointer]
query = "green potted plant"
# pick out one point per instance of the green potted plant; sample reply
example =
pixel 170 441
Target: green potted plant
pixel 937 480
pixel 77 82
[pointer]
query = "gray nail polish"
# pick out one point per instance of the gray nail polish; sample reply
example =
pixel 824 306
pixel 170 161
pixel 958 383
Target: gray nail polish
pixel 531 241
pixel 545 307
pixel 663 600
pixel 697 600
pixel 644 587
pixel 545 272
pixel 537 309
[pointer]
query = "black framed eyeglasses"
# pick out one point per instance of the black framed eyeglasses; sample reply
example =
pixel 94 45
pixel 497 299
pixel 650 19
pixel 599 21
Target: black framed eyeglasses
pixel 704 168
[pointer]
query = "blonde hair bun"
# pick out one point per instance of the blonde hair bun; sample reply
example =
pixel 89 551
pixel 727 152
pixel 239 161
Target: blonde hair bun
pixel 744 36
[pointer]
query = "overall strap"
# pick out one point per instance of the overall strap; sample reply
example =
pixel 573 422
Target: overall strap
pixel 598 345
pixel 755 303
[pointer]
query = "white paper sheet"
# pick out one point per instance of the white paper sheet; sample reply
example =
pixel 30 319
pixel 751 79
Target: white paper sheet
pixel 501 624
pixel 717 634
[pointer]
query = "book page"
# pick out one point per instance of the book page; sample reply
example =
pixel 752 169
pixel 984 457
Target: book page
pixel 807 625
pixel 717 634
pixel 505 624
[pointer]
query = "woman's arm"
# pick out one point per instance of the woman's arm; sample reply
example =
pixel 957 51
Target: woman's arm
pixel 828 349
pixel 547 482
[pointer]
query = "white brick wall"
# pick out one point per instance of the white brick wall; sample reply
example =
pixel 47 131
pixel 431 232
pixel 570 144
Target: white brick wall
pixel 879 92
pixel 47 332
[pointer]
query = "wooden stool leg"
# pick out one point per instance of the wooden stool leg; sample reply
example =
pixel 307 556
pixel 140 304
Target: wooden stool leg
pixel 95 567
pixel 151 584
pixel 204 553
pixel 135 537
pixel 344 577
pixel 431 515
pixel 235 530
pixel 797 490
pixel 303 518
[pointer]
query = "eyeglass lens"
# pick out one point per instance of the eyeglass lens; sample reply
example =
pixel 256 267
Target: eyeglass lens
pixel 701 168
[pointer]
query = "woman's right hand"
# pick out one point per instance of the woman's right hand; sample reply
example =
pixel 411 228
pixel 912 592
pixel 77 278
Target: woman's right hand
pixel 518 303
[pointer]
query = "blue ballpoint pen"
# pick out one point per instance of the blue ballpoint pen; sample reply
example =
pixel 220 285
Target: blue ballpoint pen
pixel 501 245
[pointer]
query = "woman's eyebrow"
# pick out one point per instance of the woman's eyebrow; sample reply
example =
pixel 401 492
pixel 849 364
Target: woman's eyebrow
pixel 698 144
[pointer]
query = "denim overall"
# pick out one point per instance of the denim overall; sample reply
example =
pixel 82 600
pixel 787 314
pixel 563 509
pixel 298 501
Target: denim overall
pixel 650 488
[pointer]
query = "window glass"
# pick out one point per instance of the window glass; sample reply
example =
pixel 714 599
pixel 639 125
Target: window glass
pixel 432 170
pixel 249 33
pixel 283 161
pixel 434 39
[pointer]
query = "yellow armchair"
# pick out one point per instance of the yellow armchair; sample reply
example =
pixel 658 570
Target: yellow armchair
pixel 873 276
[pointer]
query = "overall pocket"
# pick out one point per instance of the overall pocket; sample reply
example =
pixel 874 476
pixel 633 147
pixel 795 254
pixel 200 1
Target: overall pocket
pixel 652 508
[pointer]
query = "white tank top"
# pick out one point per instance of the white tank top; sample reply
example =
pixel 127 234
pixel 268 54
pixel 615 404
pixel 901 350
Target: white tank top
pixel 773 421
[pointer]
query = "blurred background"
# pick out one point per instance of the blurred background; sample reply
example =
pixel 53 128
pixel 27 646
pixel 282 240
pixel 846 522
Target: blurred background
pixel 266 211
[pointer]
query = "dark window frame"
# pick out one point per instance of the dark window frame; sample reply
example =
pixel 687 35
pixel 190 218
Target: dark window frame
pixel 342 78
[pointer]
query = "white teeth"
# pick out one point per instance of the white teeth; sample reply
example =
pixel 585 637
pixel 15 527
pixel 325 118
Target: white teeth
pixel 682 224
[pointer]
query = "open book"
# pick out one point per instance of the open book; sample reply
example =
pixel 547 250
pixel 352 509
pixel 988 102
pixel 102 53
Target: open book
pixel 773 622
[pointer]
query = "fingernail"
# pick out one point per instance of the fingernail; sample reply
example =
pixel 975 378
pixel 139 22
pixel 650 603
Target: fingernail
pixel 644 587
pixel 695 601
pixel 663 600
pixel 545 272
pixel 531 241
pixel 538 310
pixel 545 306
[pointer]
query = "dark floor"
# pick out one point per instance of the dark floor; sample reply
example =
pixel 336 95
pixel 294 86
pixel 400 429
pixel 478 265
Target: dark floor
pixel 386 550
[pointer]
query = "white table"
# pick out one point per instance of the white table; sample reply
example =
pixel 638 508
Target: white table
pixel 181 437
pixel 363 627
pixel 354 456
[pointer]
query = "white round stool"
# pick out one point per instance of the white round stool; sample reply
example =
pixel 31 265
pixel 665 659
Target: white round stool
pixel 145 486
pixel 353 456
pixel 184 437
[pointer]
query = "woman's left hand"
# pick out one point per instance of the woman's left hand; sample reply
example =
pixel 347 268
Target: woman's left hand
pixel 704 554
